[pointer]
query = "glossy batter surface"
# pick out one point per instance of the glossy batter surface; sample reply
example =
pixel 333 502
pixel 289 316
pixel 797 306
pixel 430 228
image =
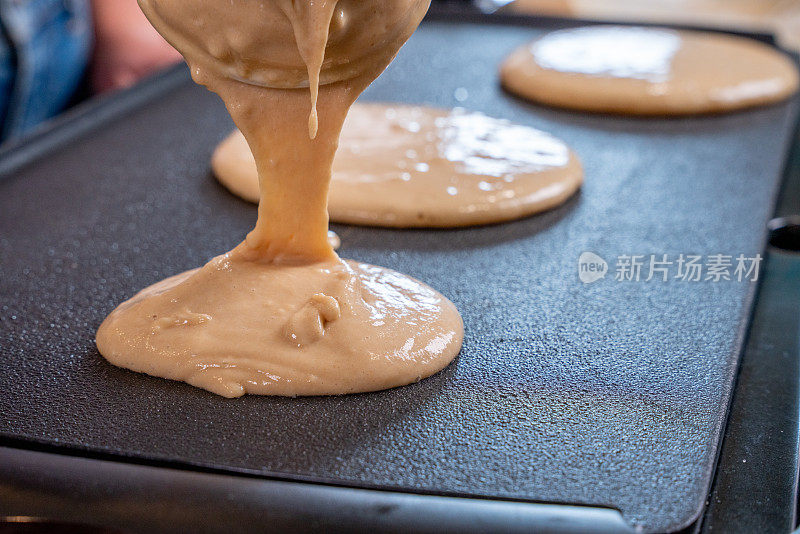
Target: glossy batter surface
pixel 648 71
pixel 407 166
pixel 237 326
pixel 282 314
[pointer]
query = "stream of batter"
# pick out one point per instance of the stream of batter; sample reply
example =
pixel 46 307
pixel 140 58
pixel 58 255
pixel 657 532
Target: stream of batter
pixel 282 314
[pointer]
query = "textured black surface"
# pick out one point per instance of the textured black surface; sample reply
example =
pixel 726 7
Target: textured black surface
pixel 610 394
pixel 755 488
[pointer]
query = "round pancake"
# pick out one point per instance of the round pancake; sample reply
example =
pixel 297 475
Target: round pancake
pixel 648 71
pixel 411 166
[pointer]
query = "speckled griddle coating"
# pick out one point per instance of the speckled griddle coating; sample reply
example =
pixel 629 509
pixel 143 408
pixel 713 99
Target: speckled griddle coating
pixel 610 394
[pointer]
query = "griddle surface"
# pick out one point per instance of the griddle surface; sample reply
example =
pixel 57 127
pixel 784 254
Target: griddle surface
pixel 608 394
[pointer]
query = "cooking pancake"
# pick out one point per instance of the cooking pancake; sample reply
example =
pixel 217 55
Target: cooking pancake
pixel 648 71
pixel 411 166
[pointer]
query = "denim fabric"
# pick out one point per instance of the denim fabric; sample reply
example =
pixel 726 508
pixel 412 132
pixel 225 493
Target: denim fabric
pixel 6 75
pixel 45 50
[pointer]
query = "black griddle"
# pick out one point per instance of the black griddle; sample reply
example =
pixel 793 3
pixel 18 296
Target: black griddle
pixel 610 395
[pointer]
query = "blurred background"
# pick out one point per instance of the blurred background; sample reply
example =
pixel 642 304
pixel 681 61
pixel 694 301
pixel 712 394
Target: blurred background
pixel 779 17
pixel 55 53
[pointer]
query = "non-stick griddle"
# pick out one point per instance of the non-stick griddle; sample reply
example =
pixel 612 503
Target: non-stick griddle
pixel 611 394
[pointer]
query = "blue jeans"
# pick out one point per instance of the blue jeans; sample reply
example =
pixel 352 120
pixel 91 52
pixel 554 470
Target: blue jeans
pixel 44 50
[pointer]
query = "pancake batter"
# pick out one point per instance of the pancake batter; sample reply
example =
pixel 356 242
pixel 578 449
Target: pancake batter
pixel 648 71
pixel 407 166
pixel 282 314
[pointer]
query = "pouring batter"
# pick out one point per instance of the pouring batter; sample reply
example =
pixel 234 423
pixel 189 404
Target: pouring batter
pixel 410 166
pixel 281 313
pixel 648 71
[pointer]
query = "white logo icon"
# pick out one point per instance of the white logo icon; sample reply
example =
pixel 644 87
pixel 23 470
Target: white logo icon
pixel 591 267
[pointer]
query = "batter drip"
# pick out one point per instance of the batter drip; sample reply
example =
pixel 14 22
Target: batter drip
pixel 281 313
pixel 648 71
pixel 410 166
